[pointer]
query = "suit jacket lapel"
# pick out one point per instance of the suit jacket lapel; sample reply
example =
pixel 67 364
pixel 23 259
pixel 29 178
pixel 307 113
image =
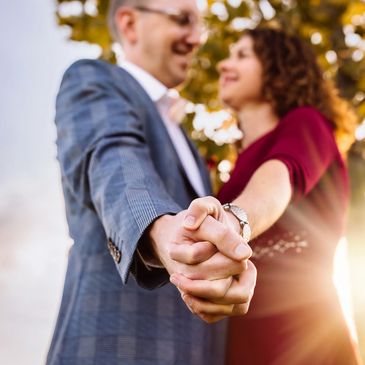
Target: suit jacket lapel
pixel 165 137
pixel 201 165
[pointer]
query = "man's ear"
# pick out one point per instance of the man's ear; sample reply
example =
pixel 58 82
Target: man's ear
pixel 125 21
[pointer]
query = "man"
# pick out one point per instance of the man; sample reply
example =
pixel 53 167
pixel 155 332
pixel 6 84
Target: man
pixel 127 173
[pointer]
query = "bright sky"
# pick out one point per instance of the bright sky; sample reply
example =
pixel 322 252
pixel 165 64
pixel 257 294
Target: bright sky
pixel 33 233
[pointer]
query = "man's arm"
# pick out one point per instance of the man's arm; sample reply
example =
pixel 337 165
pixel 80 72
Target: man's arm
pixel 106 164
pixel 105 160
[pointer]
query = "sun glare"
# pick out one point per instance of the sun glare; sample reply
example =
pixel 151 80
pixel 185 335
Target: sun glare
pixel 341 279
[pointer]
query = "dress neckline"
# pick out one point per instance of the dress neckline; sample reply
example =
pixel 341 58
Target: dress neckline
pixel 257 140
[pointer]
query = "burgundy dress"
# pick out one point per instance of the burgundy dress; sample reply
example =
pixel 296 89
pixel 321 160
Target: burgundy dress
pixel 295 316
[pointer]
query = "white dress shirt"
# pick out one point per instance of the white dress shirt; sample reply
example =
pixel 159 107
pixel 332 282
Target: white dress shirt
pixel 164 99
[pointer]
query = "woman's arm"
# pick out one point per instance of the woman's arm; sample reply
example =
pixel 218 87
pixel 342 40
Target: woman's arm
pixel 266 196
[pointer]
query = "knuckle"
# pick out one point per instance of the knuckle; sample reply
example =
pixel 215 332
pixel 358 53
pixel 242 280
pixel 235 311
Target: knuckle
pixel 222 233
pixel 251 267
pixel 220 287
pixel 214 200
pixel 242 265
pixel 240 294
pixel 208 319
pixel 191 308
pixel 202 204
pixel 211 200
pixel 230 309
pixel 182 286
pixel 243 296
pixel 218 291
pixel 191 256
pixel 249 251
pixel 179 236
pixel 214 203
pixel 241 309
pixel 197 253
pixel 226 284
pixel 173 252
pixel 195 203
pixel 238 268
pixel 195 308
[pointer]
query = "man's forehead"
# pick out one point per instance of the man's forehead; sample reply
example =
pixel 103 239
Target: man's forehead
pixel 189 5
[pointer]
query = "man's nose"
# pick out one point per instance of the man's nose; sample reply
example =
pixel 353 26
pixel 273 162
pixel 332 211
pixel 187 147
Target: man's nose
pixel 196 35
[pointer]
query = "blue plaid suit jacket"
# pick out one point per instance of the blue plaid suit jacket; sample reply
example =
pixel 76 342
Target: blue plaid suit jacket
pixel 119 173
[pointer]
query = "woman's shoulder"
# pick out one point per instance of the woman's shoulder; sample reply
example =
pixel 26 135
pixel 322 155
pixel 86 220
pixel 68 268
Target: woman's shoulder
pixel 305 114
pixel 307 118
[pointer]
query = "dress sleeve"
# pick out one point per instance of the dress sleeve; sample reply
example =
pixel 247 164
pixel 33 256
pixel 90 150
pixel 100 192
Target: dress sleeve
pixel 305 144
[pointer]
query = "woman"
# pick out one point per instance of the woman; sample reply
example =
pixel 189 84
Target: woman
pixel 296 132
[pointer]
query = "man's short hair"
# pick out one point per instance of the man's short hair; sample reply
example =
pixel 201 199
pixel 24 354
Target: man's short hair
pixel 114 5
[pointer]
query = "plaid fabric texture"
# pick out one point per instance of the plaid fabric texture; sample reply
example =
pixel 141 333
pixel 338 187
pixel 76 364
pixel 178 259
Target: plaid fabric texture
pixel 119 173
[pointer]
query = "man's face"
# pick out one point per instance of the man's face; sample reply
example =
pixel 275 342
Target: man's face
pixel 166 40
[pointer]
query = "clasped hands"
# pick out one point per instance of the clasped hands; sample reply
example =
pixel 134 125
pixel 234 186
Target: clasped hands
pixel 207 259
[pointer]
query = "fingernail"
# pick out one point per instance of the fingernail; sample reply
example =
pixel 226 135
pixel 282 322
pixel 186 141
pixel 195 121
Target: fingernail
pixel 173 280
pixel 241 250
pixel 189 221
pixel 188 301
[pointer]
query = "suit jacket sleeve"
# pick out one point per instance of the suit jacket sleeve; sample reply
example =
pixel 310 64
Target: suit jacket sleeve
pixel 105 160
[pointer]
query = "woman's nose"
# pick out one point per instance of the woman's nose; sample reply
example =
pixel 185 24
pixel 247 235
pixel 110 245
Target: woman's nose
pixel 222 65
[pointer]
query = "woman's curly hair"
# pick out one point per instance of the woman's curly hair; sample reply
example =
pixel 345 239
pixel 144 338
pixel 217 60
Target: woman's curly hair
pixel 293 78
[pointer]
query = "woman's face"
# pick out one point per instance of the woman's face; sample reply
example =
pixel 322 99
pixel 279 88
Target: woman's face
pixel 240 81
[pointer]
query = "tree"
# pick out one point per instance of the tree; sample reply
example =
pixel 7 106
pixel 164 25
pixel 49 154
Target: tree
pixel 335 28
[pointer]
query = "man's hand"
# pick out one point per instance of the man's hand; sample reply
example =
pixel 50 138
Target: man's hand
pixel 214 299
pixel 217 299
pixel 200 258
pixel 207 259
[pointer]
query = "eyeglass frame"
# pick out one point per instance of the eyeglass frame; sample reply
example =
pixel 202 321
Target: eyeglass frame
pixel 174 14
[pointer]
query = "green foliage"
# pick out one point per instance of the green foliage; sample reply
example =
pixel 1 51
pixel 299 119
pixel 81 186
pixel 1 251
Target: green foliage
pixel 335 26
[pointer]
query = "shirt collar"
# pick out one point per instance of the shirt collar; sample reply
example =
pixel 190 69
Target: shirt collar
pixel 153 87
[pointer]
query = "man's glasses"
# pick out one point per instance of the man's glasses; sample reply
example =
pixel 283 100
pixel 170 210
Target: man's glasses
pixel 180 17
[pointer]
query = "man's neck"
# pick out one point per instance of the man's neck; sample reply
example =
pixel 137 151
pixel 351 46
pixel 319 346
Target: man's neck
pixel 154 88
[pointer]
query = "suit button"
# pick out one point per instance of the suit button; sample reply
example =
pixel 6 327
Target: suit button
pixel 118 257
pixel 114 251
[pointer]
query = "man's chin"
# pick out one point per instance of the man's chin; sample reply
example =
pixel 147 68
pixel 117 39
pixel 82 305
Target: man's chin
pixel 179 76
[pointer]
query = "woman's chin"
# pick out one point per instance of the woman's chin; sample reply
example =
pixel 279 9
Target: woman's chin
pixel 226 100
pixel 229 103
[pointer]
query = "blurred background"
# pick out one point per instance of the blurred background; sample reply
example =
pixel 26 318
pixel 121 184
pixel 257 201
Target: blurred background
pixel 39 39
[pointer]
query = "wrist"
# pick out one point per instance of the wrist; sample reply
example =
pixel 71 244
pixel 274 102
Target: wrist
pixel 241 219
pixel 157 236
pixel 233 222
